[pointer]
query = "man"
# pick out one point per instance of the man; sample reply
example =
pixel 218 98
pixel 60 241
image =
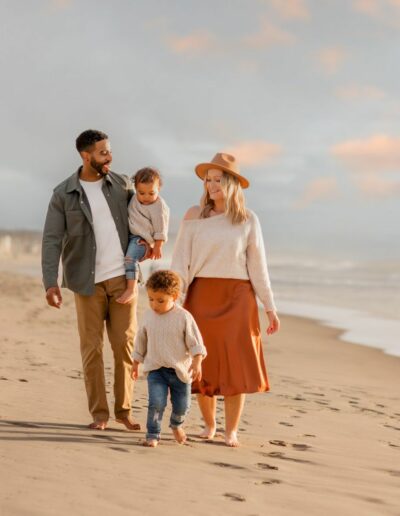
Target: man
pixel 87 225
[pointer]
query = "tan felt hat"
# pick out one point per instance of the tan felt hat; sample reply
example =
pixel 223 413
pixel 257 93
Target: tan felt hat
pixel 225 162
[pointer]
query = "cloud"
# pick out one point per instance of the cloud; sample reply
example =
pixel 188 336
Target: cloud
pixel 316 190
pixel 293 9
pixel 61 4
pixel 386 11
pixel 377 153
pixel 360 92
pixel 330 59
pixel 268 35
pixel 254 153
pixel 198 42
pixel 373 185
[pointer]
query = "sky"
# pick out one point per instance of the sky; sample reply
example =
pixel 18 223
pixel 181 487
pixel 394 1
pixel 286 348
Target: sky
pixel 305 93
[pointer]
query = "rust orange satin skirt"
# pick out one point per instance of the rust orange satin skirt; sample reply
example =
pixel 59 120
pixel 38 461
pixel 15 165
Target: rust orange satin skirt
pixel 226 313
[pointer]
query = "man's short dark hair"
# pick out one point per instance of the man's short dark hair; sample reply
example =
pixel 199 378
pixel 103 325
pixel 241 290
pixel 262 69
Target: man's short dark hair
pixel 88 138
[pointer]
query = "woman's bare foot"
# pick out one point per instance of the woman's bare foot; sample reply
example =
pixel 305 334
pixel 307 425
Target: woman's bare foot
pixel 208 432
pixel 98 425
pixel 231 439
pixel 151 443
pixel 126 297
pixel 179 434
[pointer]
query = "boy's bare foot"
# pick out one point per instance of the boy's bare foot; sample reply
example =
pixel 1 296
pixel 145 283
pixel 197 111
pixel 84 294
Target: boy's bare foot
pixel 231 439
pixel 98 425
pixel 129 423
pixel 208 432
pixel 126 297
pixel 179 434
pixel 151 443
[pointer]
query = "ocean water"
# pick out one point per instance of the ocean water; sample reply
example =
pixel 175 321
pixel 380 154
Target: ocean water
pixel 361 298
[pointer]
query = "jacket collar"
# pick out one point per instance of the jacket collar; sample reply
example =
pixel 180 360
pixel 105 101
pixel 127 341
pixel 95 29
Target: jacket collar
pixel 73 183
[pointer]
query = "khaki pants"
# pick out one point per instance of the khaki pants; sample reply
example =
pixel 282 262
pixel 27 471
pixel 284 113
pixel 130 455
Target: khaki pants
pixel 120 322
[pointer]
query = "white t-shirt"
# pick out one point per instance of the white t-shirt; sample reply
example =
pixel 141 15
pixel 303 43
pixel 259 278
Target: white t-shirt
pixel 109 255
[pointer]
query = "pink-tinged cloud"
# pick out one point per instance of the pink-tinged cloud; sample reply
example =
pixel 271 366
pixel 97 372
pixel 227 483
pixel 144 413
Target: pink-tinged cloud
pixel 370 7
pixel 319 189
pixel 254 153
pixel 330 59
pixel 195 43
pixel 379 153
pixel 383 11
pixel 373 185
pixel 295 9
pixel 360 92
pixel 269 35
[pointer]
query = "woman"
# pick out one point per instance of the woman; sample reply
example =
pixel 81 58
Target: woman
pixel 219 254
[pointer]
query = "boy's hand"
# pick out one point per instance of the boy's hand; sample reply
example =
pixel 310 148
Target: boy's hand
pixel 195 368
pixel 157 254
pixel 135 370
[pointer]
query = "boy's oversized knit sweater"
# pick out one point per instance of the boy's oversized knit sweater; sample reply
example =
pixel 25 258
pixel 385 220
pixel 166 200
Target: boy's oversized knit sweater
pixel 150 221
pixel 168 340
pixel 215 248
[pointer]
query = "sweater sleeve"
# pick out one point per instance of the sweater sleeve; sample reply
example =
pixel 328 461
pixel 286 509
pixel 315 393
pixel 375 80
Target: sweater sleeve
pixel 193 339
pixel 257 265
pixel 161 221
pixel 140 347
pixel 181 255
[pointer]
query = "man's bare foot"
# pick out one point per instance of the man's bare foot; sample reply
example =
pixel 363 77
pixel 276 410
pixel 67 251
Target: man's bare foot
pixel 231 439
pixel 151 443
pixel 126 297
pixel 208 432
pixel 129 423
pixel 98 425
pixel 179 434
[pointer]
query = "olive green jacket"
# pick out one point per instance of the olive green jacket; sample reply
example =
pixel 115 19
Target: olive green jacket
pixel 68 231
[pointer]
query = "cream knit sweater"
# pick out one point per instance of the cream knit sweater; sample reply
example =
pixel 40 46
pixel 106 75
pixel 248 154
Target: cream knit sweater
pixel 168 340
pixel 150 221
pixel 216 248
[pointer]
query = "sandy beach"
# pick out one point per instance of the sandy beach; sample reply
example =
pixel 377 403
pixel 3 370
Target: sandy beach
pixel 325 440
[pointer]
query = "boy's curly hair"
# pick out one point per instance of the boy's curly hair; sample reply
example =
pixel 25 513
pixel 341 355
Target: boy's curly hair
pixel 147 175
pixel 164 281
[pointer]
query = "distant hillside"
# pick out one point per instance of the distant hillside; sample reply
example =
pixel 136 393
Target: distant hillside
pixel 17 243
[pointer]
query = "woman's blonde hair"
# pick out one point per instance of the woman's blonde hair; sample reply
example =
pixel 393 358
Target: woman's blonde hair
pixel 235 207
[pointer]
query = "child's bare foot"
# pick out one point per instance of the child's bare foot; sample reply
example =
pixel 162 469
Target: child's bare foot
pixel 151 443
pixel 208 432
pixel 179 434
pixel 126 297
pixel 231 439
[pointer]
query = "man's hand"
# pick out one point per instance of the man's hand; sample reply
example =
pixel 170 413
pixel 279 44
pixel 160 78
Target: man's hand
pixel 195 368
pixel 54 297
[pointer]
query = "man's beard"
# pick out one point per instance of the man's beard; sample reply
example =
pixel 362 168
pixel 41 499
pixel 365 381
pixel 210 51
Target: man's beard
pixel 98 167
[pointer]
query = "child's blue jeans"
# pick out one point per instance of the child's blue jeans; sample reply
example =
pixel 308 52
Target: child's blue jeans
pixel 134 254
pixel 159 381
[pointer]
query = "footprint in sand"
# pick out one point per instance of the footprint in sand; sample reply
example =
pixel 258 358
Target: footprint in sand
pixel 116 448
pixel 235 497
pixel 3 378
pixel 309 435
pixel 277 442
pixel 281 455
pixel 285 424
pixel 226 465
pixel 264 465
pixel 271 481
pixel 301 447
pixel 22 380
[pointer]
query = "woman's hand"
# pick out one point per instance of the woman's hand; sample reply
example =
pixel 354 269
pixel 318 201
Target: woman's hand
pixel 274 323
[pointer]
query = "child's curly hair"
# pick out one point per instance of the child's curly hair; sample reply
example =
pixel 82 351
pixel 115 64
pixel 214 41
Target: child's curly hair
pixel 147 175
pixel 164 281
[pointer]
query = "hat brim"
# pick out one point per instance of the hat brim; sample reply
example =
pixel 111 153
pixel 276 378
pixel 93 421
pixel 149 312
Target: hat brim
pixel 202 169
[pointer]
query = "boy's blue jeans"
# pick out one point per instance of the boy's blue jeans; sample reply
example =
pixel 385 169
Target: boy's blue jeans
pixel 159 381
pixel 134 254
